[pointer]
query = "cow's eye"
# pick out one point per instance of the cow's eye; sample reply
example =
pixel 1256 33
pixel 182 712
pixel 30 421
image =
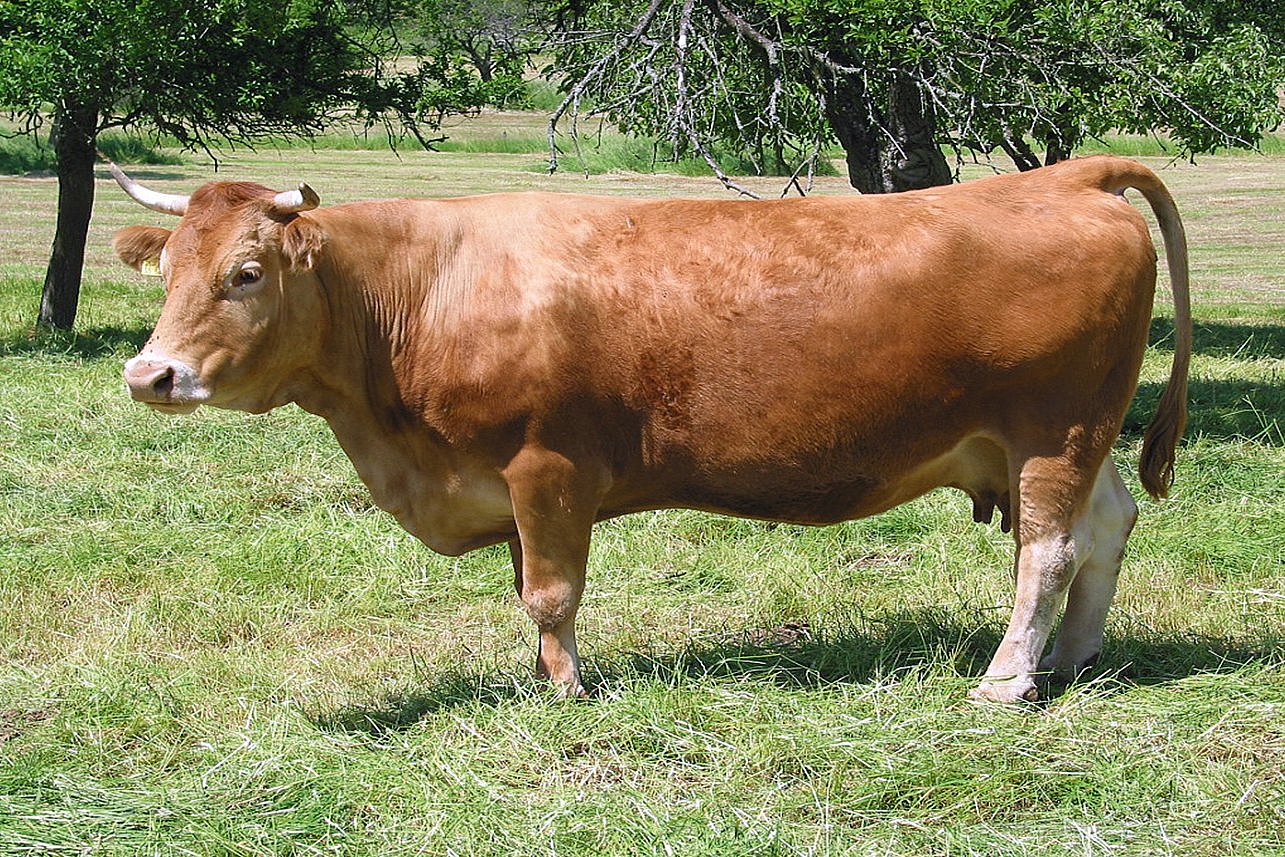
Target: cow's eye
pixel 247 279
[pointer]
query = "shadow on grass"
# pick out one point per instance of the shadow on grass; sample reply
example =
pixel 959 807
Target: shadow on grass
pixel 1245 409
pixel 1224 339
pixel 1248 410
pixel 88 344
pixel 790 656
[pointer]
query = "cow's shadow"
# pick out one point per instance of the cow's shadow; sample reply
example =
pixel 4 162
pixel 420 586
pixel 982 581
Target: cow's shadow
pixel 791 656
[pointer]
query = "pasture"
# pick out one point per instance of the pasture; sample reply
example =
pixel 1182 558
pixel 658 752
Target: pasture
pixel 213 644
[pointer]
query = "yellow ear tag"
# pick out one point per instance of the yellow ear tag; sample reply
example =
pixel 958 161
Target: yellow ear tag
pixel 150 268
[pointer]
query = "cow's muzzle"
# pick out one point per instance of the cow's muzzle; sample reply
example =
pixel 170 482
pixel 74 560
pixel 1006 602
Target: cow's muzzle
pixel 164 383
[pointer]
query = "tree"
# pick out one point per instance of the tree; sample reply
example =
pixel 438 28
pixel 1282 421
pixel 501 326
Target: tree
pixel 477 49
pixel 495 35
pixel 895 81
pixel 203 71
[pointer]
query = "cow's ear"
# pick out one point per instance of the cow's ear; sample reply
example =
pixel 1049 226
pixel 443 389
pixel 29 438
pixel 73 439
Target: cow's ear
pixel 301 243
pixel 140 246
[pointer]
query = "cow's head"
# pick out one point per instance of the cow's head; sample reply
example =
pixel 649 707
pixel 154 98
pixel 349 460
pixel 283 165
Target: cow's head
pixel 243 312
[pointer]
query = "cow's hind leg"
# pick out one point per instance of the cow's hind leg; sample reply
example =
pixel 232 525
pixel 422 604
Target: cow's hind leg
pixel 554 506
pixel 1103 530
pixel 1051 493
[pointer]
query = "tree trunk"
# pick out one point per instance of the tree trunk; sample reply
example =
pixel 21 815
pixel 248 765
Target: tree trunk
pixel 1055 151
pixel 888 150
pixel 1061 138
pixel 1020 151
pixel 74 140
pixel 481 58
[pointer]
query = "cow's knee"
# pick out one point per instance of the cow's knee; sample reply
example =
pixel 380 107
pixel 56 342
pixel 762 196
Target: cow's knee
pixel 551 604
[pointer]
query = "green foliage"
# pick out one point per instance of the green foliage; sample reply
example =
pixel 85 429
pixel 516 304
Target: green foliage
pixel 474 52
pixel 205 71
pixel 1063 70
pixel 202 72
pixel 775 78
pixel 194 69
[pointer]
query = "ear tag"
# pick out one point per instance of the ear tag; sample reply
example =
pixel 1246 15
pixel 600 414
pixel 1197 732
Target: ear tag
pixel 150 268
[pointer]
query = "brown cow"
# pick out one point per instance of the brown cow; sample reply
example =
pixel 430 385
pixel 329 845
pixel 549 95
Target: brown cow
pixel 515 367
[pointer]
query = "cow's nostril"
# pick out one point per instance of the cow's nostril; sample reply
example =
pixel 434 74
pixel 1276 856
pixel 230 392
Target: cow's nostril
pixel 151 381
pixel 164 384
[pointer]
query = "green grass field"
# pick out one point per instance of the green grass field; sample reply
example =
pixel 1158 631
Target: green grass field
pixel 213 644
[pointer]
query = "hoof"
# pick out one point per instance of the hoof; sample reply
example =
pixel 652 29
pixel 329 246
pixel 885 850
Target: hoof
pixel 563 688
pixel 575 691
pixel 1006 691
pixel 1063 670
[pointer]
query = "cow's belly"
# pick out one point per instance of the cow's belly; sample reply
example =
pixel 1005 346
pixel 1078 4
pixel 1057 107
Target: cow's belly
pixel 840 490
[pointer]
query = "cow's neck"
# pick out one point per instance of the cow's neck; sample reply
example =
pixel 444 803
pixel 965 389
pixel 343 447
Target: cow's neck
pixel 374 338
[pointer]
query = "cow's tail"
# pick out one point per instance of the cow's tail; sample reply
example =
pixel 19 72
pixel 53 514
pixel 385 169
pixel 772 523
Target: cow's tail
pixel 1155 467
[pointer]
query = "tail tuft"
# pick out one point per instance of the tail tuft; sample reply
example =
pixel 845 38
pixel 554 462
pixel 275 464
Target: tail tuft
pixel 1156 464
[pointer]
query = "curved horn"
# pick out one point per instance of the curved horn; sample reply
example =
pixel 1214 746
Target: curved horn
pixel 166 203
pixel 294 201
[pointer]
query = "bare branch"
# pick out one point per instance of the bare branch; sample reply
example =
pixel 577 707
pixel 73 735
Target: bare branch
pixel 572 99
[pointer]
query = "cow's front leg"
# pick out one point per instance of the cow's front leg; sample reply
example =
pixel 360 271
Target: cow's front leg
pixel 554 505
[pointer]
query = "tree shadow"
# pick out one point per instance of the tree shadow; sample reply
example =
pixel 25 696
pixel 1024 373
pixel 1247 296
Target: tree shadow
pixel 1248 410
pixel 1223 339
pixel 1252 410
pixel 791 656
pixel 88 344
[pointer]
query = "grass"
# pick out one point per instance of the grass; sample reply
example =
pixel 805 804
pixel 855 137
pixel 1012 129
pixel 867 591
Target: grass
pixel 596 149
pixel 1150 145
pixel 213 644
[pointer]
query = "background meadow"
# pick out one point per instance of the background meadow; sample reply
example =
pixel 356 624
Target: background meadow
pixel 211 642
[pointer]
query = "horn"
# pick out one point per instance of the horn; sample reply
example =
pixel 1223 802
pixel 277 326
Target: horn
pixel 294 201
pixel 166 203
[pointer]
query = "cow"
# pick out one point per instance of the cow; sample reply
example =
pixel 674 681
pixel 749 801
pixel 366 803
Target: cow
pixel 515 367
